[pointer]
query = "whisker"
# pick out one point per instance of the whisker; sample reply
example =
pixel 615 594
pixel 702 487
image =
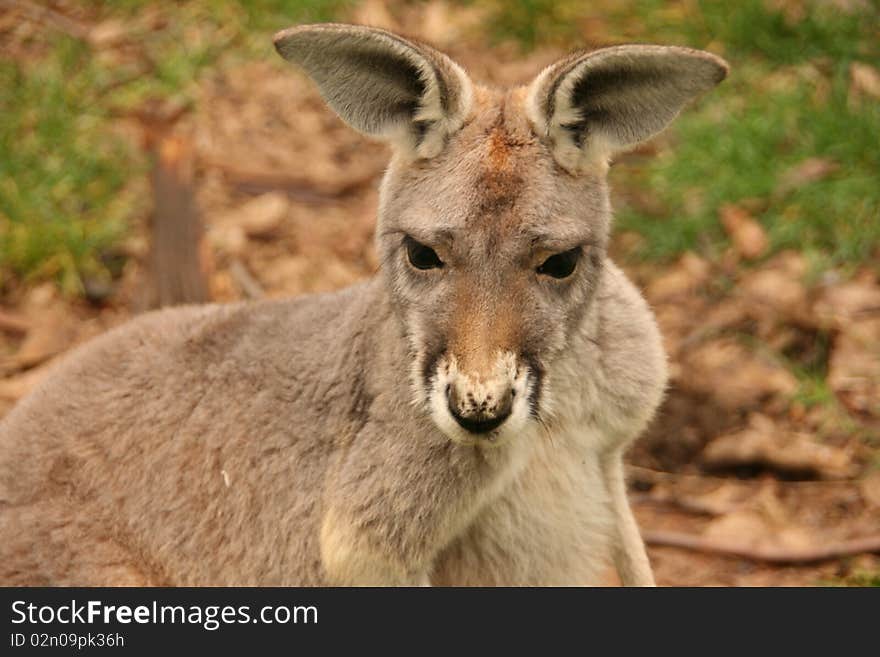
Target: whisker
pixel 545 427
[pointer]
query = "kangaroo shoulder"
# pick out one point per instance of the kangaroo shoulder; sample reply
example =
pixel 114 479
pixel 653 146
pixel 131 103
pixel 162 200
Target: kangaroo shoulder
pixel 633 370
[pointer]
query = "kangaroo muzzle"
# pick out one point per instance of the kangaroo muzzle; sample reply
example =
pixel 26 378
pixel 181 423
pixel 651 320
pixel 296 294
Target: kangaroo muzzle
pixel 481 408
pixel 484 405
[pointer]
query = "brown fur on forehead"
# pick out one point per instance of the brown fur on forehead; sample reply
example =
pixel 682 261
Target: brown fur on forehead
pixel 494 186
pixel 505 147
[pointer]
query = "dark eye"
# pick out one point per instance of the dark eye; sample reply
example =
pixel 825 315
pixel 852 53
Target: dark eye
pixel 421 256
pixel 561 265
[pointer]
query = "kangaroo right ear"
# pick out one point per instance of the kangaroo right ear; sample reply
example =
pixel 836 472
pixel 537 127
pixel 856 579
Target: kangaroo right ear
pixel 594 105
pixel 381 84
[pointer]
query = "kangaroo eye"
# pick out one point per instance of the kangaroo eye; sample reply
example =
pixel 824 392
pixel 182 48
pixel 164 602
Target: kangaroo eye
pixel 561 265
pixel 421 256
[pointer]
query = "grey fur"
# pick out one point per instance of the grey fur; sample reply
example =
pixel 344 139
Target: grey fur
pixel 307 441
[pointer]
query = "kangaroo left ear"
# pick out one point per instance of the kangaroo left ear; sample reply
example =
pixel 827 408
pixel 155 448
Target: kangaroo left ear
pixel 593 105
pixel 381 84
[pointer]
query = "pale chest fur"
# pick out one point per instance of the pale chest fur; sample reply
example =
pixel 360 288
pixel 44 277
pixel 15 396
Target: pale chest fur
pixel 553 522
pixel 548 527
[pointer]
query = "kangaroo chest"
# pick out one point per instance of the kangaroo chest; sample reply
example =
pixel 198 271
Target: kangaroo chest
pixel 548 527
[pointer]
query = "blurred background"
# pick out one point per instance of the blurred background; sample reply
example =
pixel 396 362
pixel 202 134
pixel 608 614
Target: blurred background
pixel 154 153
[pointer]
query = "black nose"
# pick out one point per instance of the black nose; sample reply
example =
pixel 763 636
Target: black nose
pixel 479 416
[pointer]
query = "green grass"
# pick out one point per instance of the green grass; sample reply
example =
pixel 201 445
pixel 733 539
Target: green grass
pixel 860 578
pixel 70 188
pixel 69 185
pixel 61 178
pixel 817 30
pixel 531 23
pixel 739 145
pixel 787 99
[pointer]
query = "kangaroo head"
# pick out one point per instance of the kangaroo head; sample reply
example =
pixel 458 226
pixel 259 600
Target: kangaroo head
pixel 494 213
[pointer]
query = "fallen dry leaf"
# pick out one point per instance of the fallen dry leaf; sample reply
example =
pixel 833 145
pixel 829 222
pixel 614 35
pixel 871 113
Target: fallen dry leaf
pixel 734 376
pixel 777 288
pixel 870 489
pixel 854 366
pixel 108 33
pixel 774 303
pixel 303 274
pixel 227 238
pixel 376 14
pixel 765 444
pixel 748 236
pixel 744 527
pixel 864 81
pixel 12 323
pixel 39 297
pixel 752 529
pixel 809 171
pixel 15 387
pixel 683 278
pixel 260 217
pixel 853 310
pixel 725 498
pixel 726 313
pixel 223 287
pixel 442 23
pixel 51 333
pixel 838 306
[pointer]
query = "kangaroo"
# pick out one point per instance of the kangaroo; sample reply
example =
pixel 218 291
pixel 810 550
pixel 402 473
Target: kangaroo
pixel 458 419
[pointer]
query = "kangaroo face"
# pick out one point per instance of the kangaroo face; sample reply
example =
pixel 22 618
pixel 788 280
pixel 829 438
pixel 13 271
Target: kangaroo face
pixel 492 254
pixel 494 214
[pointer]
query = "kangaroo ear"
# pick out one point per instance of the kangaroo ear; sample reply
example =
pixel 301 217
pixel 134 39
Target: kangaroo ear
pixel 381 84
pixel 593 105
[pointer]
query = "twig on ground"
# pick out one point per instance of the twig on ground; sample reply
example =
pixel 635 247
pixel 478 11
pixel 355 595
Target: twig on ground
pixel 677 502
pixel 245 280
pixel 774 555
pixel 652 476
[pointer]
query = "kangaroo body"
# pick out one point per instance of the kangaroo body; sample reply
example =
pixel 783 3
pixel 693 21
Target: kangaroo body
pixel 441 423
pixel 204 496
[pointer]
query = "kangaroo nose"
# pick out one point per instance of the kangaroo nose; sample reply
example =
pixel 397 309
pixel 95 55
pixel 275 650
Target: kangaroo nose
pixel 479 415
